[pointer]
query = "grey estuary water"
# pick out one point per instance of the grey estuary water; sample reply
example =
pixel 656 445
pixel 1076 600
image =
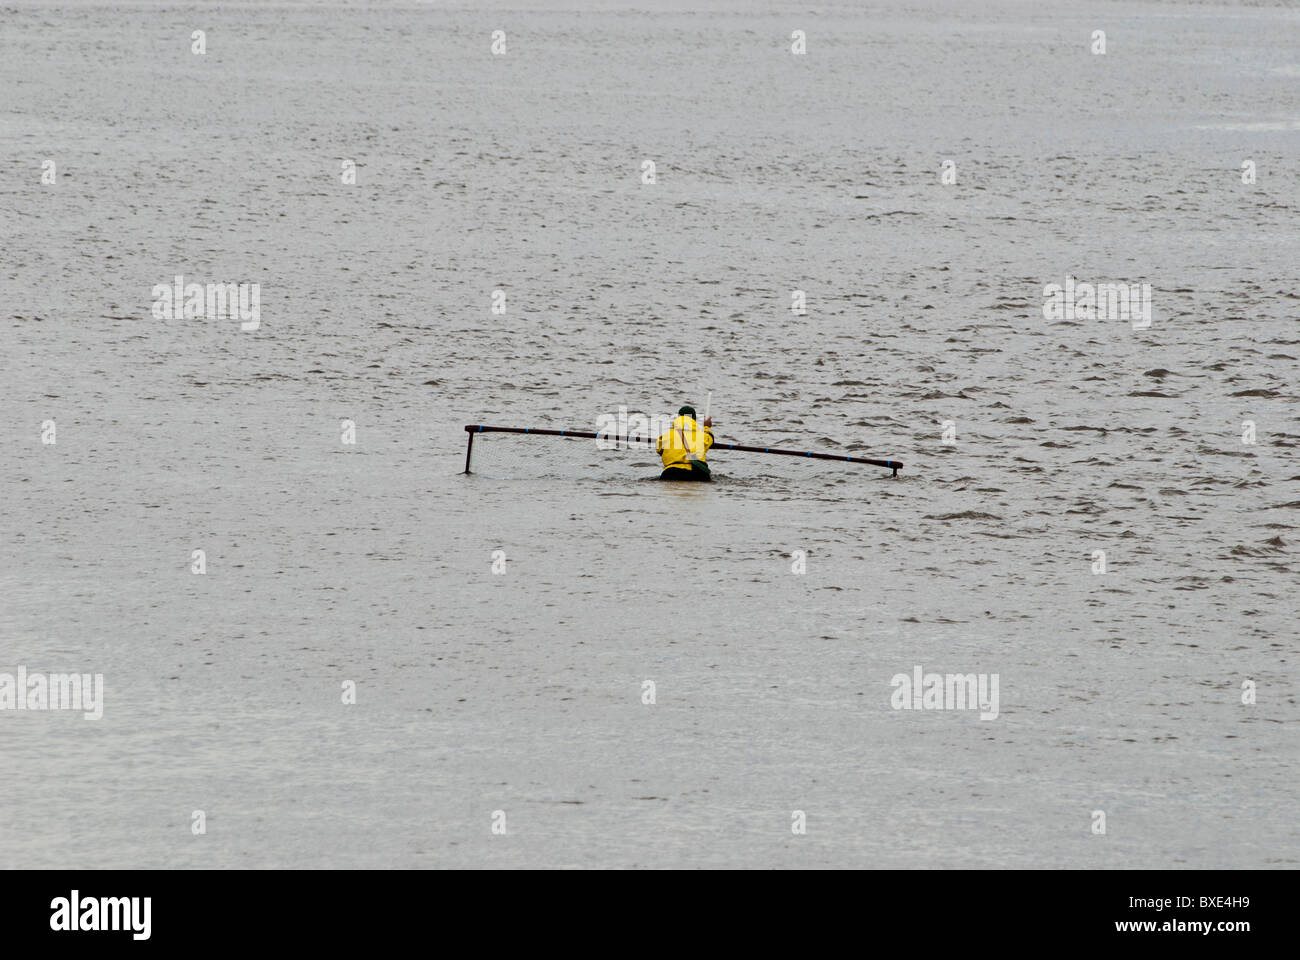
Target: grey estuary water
pixel 773 610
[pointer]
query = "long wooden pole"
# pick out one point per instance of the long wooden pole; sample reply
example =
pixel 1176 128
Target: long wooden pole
pixel 473 428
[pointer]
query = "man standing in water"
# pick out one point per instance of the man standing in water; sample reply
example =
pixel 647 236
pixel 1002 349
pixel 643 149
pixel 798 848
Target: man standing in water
pixel 684 446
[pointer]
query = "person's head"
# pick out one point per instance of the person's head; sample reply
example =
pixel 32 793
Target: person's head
pixel 686 412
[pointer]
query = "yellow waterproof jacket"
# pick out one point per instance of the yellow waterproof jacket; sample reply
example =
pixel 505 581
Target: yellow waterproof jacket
pixel 686 437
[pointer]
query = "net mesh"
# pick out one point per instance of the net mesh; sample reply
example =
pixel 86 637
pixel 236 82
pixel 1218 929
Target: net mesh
pixel 515 456
pixel 521 456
